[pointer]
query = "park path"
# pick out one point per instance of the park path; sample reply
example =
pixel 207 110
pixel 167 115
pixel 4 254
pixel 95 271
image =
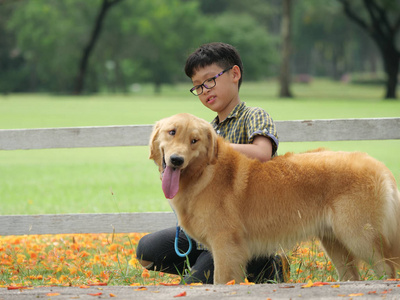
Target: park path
pixel 339 290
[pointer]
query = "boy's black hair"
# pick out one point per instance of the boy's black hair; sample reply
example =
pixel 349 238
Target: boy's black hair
pixel 224 55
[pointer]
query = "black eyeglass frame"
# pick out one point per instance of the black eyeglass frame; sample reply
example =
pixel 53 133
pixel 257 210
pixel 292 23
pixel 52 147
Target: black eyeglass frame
pixel 212 79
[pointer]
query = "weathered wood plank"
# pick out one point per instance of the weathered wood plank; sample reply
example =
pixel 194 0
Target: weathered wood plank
pixel 339 130
pixel 75 137
pixel 86 223
pixel 138 135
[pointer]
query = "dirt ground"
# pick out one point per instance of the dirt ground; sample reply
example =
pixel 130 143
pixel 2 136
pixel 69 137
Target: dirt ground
pixel 339 290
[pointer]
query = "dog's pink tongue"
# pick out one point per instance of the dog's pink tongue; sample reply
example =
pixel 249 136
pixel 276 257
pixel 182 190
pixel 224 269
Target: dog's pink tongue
pixel 170 182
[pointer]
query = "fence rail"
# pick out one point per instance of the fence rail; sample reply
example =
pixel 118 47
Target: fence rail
pixel 138 135
pixel 85 223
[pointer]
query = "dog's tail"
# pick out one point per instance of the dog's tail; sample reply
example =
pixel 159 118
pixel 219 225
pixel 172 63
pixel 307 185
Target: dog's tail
pixel 396 238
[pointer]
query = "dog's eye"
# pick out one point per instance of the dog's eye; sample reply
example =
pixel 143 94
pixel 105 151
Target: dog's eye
pixel 172 132
pixel 194 141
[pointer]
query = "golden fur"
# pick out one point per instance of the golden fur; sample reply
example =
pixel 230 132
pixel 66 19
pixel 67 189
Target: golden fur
pixel 240 208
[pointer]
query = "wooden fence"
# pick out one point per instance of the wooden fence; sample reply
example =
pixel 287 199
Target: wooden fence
pixel 138 135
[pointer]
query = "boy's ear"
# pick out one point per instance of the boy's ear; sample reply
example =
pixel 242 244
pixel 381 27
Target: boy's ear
pixel 236 73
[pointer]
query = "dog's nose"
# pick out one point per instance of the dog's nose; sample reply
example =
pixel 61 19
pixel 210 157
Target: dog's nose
pixel 176 160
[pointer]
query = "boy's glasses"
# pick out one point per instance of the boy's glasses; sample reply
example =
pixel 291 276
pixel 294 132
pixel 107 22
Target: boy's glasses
pixel 208 83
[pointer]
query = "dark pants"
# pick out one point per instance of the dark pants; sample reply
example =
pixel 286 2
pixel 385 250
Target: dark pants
pixel 158 247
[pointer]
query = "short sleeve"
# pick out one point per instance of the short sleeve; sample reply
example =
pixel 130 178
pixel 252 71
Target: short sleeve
pixel 260 123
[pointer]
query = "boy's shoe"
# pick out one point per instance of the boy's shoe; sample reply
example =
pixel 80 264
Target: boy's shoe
pixel 272 269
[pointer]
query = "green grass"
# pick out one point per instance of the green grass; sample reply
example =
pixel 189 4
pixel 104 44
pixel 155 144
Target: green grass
pixel 122 179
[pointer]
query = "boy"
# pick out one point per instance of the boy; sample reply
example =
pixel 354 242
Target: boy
pixel 216 72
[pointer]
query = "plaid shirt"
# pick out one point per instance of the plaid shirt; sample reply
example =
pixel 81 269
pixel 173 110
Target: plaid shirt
pixel 244 123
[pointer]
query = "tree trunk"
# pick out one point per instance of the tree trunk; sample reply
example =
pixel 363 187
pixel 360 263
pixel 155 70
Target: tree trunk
pixel 286 50
pixel 157 88
pixel 87 51
pixel 391 61
pixel 383 33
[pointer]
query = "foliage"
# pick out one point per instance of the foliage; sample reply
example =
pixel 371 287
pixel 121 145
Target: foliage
pixel 142 41
pixel 51 41
pixel 155 39
pixel 338 47
pixel 148 41
pixel 257 48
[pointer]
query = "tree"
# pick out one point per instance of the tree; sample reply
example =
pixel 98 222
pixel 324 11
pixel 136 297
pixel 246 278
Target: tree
pixel 50 36
pixel 13 75
pixel 87 51
pixel 382 28
pixel 326 43
pixel 284 78
pixel 255 45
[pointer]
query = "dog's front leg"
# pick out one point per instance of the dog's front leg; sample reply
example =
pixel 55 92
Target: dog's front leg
pixel 230 262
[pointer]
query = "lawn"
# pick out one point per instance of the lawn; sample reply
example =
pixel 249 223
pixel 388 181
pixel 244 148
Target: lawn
pixel 122 179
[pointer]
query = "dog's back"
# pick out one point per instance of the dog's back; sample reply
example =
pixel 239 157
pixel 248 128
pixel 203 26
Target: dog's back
pixel 349 200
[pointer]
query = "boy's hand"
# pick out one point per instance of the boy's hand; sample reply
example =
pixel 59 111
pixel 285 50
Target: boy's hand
pixel 261 148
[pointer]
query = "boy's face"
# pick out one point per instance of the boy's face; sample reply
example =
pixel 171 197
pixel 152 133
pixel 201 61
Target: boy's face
pixel 224 96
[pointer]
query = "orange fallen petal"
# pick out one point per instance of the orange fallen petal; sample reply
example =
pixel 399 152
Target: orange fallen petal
pixel 95 294
pixel 52 294
pixel 356 295
pixel 246 282
pixel 309 284
pixel 232 282
pixel 17 287
pixel 372 292
pixel 97 284
pixel 393 279
pixel 112 295
pixel 335 286
pixel 319 283
pixel 135 284
pixel 141 289
pixel 183 294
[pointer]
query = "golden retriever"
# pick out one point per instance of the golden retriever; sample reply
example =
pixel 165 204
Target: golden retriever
pixel 241 208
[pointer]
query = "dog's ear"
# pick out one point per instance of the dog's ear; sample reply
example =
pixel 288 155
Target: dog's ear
pixel 154 143
pixel 212 145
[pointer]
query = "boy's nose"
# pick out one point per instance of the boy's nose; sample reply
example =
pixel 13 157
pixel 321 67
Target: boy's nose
pixel 206 91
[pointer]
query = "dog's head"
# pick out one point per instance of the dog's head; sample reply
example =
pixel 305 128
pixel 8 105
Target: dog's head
pixel 179 144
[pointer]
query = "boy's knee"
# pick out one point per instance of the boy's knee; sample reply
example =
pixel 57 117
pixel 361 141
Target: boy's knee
pixel 142 248
pixel 141 252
